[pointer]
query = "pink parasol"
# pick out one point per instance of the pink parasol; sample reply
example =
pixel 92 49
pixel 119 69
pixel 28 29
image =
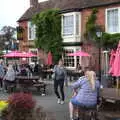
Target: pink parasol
pixel 116 65
pixel 112 58
pixel 49 59
pixel 19 54
pixel 79 53
pixel 28 54
pixel 13 54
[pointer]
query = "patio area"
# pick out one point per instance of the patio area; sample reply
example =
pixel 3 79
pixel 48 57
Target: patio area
pixel 49 103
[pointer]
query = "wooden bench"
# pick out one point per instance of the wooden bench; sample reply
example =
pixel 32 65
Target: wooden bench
pixel 27 82
pixel 41 87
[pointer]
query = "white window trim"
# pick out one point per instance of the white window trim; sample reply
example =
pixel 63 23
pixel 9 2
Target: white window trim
pixel 74 32
pixel 33 49
pixel 28 31
pixel 106 30
pixel 75 57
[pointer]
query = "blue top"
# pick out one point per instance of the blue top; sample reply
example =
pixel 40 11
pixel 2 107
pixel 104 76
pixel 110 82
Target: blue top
pixel 2 73
pixel 86 95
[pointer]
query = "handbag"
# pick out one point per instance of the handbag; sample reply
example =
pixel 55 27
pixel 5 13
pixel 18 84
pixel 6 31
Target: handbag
pixel 53 76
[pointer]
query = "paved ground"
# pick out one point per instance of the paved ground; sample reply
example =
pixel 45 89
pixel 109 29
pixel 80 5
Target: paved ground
pixel 49 102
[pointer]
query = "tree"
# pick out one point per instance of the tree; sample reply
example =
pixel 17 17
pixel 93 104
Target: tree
pixel 48 32
pixel 8 33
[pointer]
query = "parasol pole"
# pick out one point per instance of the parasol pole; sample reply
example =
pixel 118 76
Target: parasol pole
pixel 117 82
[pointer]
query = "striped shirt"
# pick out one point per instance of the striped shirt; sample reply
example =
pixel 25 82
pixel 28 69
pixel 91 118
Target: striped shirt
pixel 86 95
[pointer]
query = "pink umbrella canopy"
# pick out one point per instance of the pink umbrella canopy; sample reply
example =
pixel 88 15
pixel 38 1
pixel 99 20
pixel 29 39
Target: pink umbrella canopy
pixel 116 64
pixel 28 54
pixel 13 54
pixel 19 54
pixel 112 58
pixel 49 59
pixel 79 53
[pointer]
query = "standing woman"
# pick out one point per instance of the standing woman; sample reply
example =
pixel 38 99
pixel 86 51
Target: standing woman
pixel 60 77
pixel 9 77
pixel 2 72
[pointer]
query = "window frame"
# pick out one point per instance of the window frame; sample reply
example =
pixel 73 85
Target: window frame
pixel 33 37
pixel 74 24
pixel 106 19
pixel 75 57
pixel 30 50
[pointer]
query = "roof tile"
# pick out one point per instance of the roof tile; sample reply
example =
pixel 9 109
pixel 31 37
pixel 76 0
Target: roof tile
pixel 64 5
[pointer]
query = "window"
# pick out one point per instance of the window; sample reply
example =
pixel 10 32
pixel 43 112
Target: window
pixel 112 20
pixel 71 24
pixel 68 25
pixel 31 31
pixel 33 59
pixel 68 60
pixel 77 24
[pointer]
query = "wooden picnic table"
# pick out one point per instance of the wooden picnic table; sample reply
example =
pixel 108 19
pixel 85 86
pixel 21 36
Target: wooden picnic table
pixel 27 77
pixel 110 107
pixel 31 81
pixel 110 93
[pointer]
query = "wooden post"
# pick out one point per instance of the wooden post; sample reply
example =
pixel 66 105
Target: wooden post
pixel 117 81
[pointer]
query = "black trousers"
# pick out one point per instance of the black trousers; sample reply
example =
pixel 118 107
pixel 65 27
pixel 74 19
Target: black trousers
pixel 1 82
pixel 60 84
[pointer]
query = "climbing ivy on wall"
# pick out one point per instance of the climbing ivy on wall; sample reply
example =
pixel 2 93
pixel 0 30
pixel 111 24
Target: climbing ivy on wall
pixel 91 26
pixel 48 32
pixel 108 40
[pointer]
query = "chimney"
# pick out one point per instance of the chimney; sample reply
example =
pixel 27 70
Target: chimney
pixel 33 3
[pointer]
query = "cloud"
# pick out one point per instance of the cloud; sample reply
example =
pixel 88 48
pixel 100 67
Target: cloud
pixel 11 11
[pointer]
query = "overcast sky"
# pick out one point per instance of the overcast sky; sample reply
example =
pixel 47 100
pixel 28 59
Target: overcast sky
pixel 11 11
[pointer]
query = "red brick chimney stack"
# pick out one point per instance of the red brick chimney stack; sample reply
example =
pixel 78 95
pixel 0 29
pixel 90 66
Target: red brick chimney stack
pixel 33 3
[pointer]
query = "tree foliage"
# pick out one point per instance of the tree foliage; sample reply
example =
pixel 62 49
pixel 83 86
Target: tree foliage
pixel 9 32
pixel 48 32
pixel 108 40
pixel 90 32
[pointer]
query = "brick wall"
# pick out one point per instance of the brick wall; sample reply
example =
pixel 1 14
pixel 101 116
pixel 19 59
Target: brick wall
pixel 93 61
pixel 23 43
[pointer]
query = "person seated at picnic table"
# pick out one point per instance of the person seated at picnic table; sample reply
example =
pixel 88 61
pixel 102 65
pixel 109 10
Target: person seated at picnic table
pixel 9 77
pixel 22 106
pixel 87 94
pixel 23 70
pixel 16 68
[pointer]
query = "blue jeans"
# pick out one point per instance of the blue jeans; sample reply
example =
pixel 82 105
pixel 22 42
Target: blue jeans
pixel 78 104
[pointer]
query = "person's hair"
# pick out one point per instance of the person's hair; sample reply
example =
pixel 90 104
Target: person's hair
pixel 60 60
pixel 91 77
